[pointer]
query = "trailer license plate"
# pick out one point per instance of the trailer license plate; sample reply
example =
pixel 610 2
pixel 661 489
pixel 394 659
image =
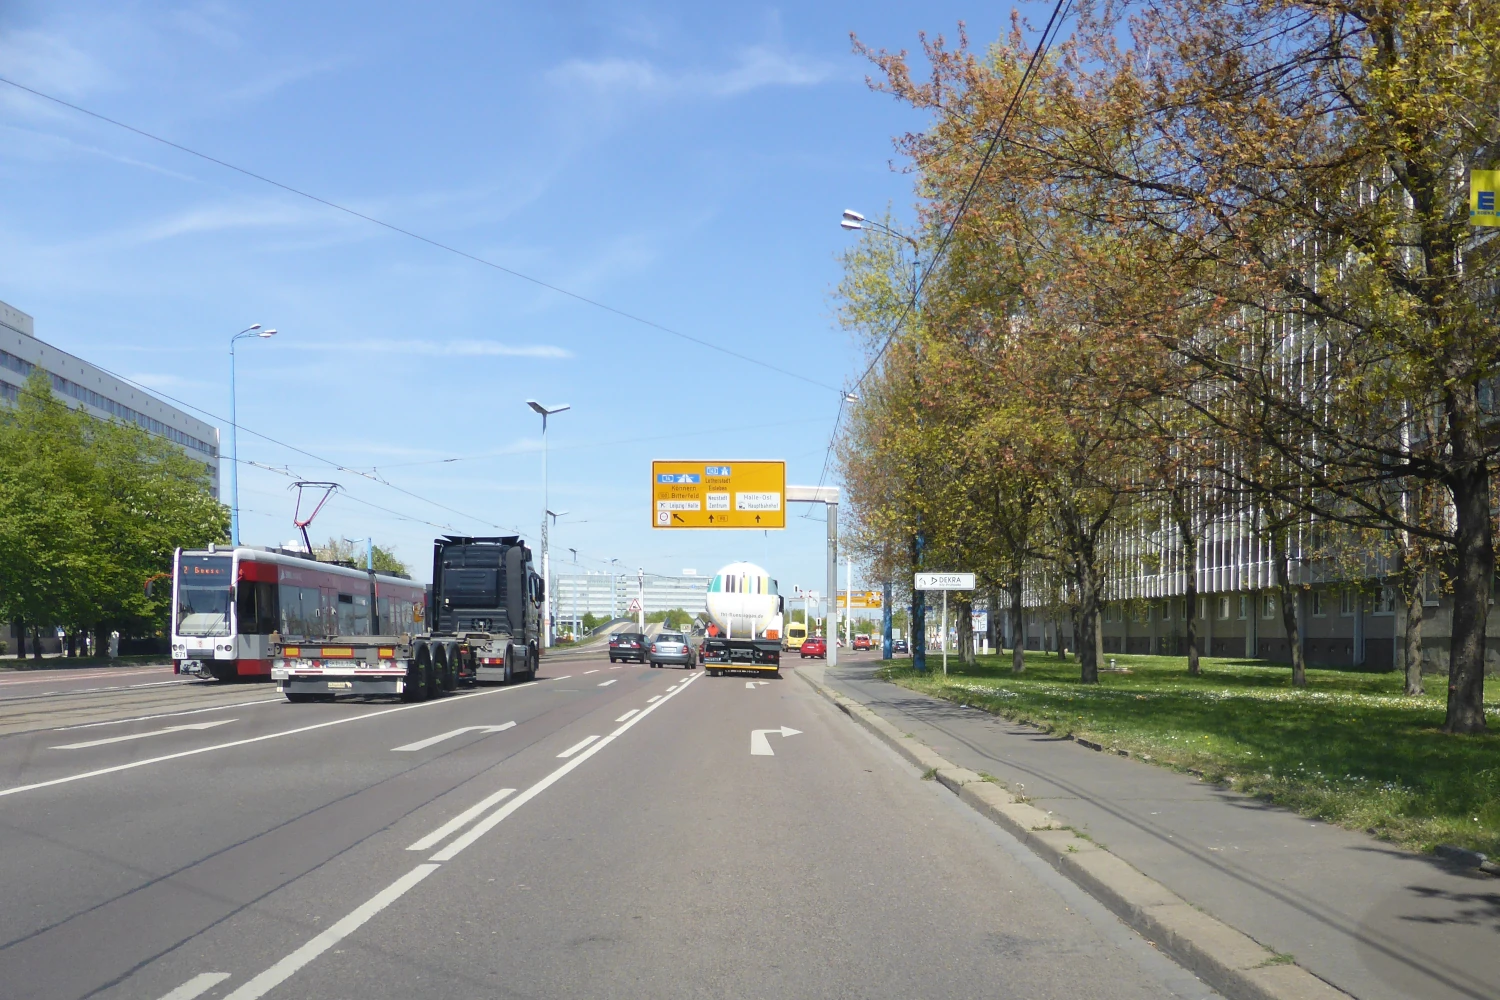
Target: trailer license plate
pixel 339 684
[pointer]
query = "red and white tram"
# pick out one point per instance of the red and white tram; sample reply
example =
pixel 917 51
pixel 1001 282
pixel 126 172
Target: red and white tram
pixel 226 603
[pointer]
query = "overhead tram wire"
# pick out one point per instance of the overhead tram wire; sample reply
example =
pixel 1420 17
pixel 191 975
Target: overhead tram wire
pixel 1043 44
pixel 419 237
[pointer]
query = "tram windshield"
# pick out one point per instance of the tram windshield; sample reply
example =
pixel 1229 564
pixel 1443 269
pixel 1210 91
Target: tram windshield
pixel 203 586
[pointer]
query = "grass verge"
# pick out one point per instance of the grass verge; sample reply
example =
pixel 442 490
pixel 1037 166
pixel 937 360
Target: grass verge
pixel 80 662
pixel 1349 748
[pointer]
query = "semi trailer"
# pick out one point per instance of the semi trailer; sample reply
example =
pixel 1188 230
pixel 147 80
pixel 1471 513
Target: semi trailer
pixel 480 621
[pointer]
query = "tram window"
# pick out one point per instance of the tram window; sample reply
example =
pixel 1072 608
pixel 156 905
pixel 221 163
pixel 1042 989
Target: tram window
pixel 344 619
pixel 255 608
pixel 299 611
pixel 361 614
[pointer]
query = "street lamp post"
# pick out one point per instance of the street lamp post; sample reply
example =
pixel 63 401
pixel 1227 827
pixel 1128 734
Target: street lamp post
pixel 253 330
pixel 546 411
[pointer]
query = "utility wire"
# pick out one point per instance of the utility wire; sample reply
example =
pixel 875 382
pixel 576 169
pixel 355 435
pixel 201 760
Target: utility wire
pixel 419 237
pixel 1059 13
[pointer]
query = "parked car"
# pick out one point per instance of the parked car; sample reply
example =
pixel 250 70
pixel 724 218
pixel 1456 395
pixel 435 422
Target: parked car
pixel 815 646
pixel 627 646
pixel 861 641
pixel 673 648
pixel 899 646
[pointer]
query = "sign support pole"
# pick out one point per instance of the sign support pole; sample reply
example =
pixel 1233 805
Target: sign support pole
pixel 944 639
pixel 833 583
pixel 885 623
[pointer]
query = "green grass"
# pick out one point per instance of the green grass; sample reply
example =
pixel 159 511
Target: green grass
pixel 1349 748
pixel 51 662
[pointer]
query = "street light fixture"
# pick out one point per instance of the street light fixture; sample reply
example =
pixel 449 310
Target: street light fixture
pixel 253 330
pixel 546 411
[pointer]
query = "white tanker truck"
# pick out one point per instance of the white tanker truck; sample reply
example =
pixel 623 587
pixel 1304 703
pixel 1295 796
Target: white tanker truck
pixel 746 614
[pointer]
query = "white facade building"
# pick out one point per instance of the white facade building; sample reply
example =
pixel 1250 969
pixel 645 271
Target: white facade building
pixel 81 385
pixel 603 595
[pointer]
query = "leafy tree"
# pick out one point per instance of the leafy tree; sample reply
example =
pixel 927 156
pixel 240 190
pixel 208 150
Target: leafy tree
pixel 353 552
pixel 90 514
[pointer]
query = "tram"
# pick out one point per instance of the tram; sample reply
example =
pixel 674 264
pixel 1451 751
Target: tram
pixel 228 602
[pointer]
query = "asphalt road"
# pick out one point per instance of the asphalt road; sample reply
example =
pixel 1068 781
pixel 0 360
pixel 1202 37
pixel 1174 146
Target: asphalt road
pixel 651 844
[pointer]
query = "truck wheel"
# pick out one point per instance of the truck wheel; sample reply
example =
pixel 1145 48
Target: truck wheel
pixel 417 669
pixel 510 659
pixel 450 676
pixel 536 664
pixel 437 670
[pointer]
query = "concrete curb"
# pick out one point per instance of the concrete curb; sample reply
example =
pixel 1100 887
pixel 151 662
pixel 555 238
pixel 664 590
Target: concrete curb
pixel 1226 959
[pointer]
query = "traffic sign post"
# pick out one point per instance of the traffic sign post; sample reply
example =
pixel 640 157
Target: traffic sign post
pixel 718 494
pixel 944 582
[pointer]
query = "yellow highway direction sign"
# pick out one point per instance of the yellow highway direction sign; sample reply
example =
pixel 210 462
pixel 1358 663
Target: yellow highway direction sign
pixel 718 494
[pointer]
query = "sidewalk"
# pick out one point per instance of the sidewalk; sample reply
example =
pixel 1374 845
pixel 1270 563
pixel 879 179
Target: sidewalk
pixel 1377 922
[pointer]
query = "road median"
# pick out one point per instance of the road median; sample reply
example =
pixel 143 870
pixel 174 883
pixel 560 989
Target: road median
pixel 1227 959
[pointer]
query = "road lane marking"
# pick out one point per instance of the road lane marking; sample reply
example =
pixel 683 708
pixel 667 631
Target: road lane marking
pixel 497 817
pixel 654 697
pixel 169 715
pixel 287 967
pixel 587 672
pixel 141 736
pixel 199 984
pixel 605 684
pixel 562 678
pixel 434 740
pixel 671 689
pixel 761 747
pixel 461 820
pixel 616 667
pixel 450 700
pixel 578 746
pixel 627 715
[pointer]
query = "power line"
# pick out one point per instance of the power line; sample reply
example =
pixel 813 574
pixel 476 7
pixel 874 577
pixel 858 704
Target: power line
pixel 1059 13
pixel 419 237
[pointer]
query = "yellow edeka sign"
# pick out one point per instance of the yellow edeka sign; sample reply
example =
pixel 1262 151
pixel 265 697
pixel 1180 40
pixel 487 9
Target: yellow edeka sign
pixel 718 494
pixel 864 599
pixel 1482 187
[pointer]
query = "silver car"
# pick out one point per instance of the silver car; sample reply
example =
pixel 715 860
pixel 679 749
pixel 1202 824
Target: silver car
pixel 673 648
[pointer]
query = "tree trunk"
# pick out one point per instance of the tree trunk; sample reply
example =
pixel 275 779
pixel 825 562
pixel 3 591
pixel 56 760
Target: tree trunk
pixel 1288 598
pixel 965 609
pixel 1099 634
pixel 36 644
pixel 1190 556
pixel 1474 555
pixel 72 644
pixel 1414 638
pixel 1089 587
pixel 1075 616
pixel 1017 627
pixel 20 641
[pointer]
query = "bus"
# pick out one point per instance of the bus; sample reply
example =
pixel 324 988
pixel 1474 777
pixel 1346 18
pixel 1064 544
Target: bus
pixel 795 633
pixel 228 602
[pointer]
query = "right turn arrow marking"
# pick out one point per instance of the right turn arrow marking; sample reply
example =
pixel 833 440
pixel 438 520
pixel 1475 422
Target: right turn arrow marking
pixel 761 747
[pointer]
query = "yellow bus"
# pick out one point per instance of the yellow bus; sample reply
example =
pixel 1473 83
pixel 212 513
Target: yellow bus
pixel 795 633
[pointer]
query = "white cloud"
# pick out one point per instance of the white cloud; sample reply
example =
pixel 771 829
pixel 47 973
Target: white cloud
pixel 439 348
pixel 755 67
pixel 48 62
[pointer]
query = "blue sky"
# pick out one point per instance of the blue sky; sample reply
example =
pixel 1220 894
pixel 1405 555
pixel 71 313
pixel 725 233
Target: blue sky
pixel 683 162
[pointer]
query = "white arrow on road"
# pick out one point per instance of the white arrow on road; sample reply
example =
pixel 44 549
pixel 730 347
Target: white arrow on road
pixel 434 740
pixel 761 747
pixel 141 736
pixel 751 686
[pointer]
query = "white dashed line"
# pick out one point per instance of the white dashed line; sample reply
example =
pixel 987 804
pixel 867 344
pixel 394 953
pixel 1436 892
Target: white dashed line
pixel 627 715
pixel 578 746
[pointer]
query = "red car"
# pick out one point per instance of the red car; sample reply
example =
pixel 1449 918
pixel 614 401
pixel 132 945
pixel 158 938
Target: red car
pixel 815 646
pixel 861 642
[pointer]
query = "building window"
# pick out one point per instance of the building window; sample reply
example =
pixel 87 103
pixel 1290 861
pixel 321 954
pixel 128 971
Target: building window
pixel 1385 603
pixel 1268 606
pixel 1166 611
pixel 1315 599
pixel 1224 608
pixel 1244 606
pixel 1346 601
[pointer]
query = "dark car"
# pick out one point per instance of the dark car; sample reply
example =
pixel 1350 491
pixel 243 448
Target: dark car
pixel 861 641
pixel 814 646
pixel 628 646
pixel 899 646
